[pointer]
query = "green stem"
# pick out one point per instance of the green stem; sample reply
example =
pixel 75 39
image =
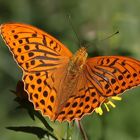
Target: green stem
pixel 81 128
pixel 39 116
pixel 103 128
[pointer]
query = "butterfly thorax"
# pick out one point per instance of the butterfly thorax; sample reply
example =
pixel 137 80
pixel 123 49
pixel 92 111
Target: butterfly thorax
pixel 76 64
pixel 78 61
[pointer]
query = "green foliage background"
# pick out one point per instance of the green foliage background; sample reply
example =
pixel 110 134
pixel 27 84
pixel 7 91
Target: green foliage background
pixel 94 20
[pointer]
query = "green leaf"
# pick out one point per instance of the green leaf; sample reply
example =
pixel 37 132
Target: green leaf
pixel 39 132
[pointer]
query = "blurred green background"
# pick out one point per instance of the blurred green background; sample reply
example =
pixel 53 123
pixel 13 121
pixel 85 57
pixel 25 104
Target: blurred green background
pixel 94 20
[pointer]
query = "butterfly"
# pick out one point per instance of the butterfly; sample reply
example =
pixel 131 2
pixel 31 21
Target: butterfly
pixel 62 85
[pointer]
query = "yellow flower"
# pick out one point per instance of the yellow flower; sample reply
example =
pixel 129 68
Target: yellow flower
pixel 108 102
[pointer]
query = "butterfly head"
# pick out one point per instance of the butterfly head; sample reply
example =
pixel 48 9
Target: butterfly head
pixel 78 60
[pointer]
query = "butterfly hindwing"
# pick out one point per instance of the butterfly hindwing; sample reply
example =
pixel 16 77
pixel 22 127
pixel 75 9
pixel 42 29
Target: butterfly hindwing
pixel 85 101
pixel 41 91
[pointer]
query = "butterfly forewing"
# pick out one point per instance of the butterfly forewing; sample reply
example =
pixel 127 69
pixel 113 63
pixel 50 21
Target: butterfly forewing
pixel 111 75
pixel 42 59
pixel 33 49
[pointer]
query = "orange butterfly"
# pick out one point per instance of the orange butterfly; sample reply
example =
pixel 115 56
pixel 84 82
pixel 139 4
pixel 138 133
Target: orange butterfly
pixel 65 86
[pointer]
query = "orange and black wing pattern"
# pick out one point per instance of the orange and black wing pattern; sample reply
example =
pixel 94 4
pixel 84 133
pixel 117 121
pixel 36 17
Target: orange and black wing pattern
pixel 39 55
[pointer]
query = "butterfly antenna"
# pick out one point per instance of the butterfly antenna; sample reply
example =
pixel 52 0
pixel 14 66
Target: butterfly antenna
pixel 117 32
pixel 73 28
